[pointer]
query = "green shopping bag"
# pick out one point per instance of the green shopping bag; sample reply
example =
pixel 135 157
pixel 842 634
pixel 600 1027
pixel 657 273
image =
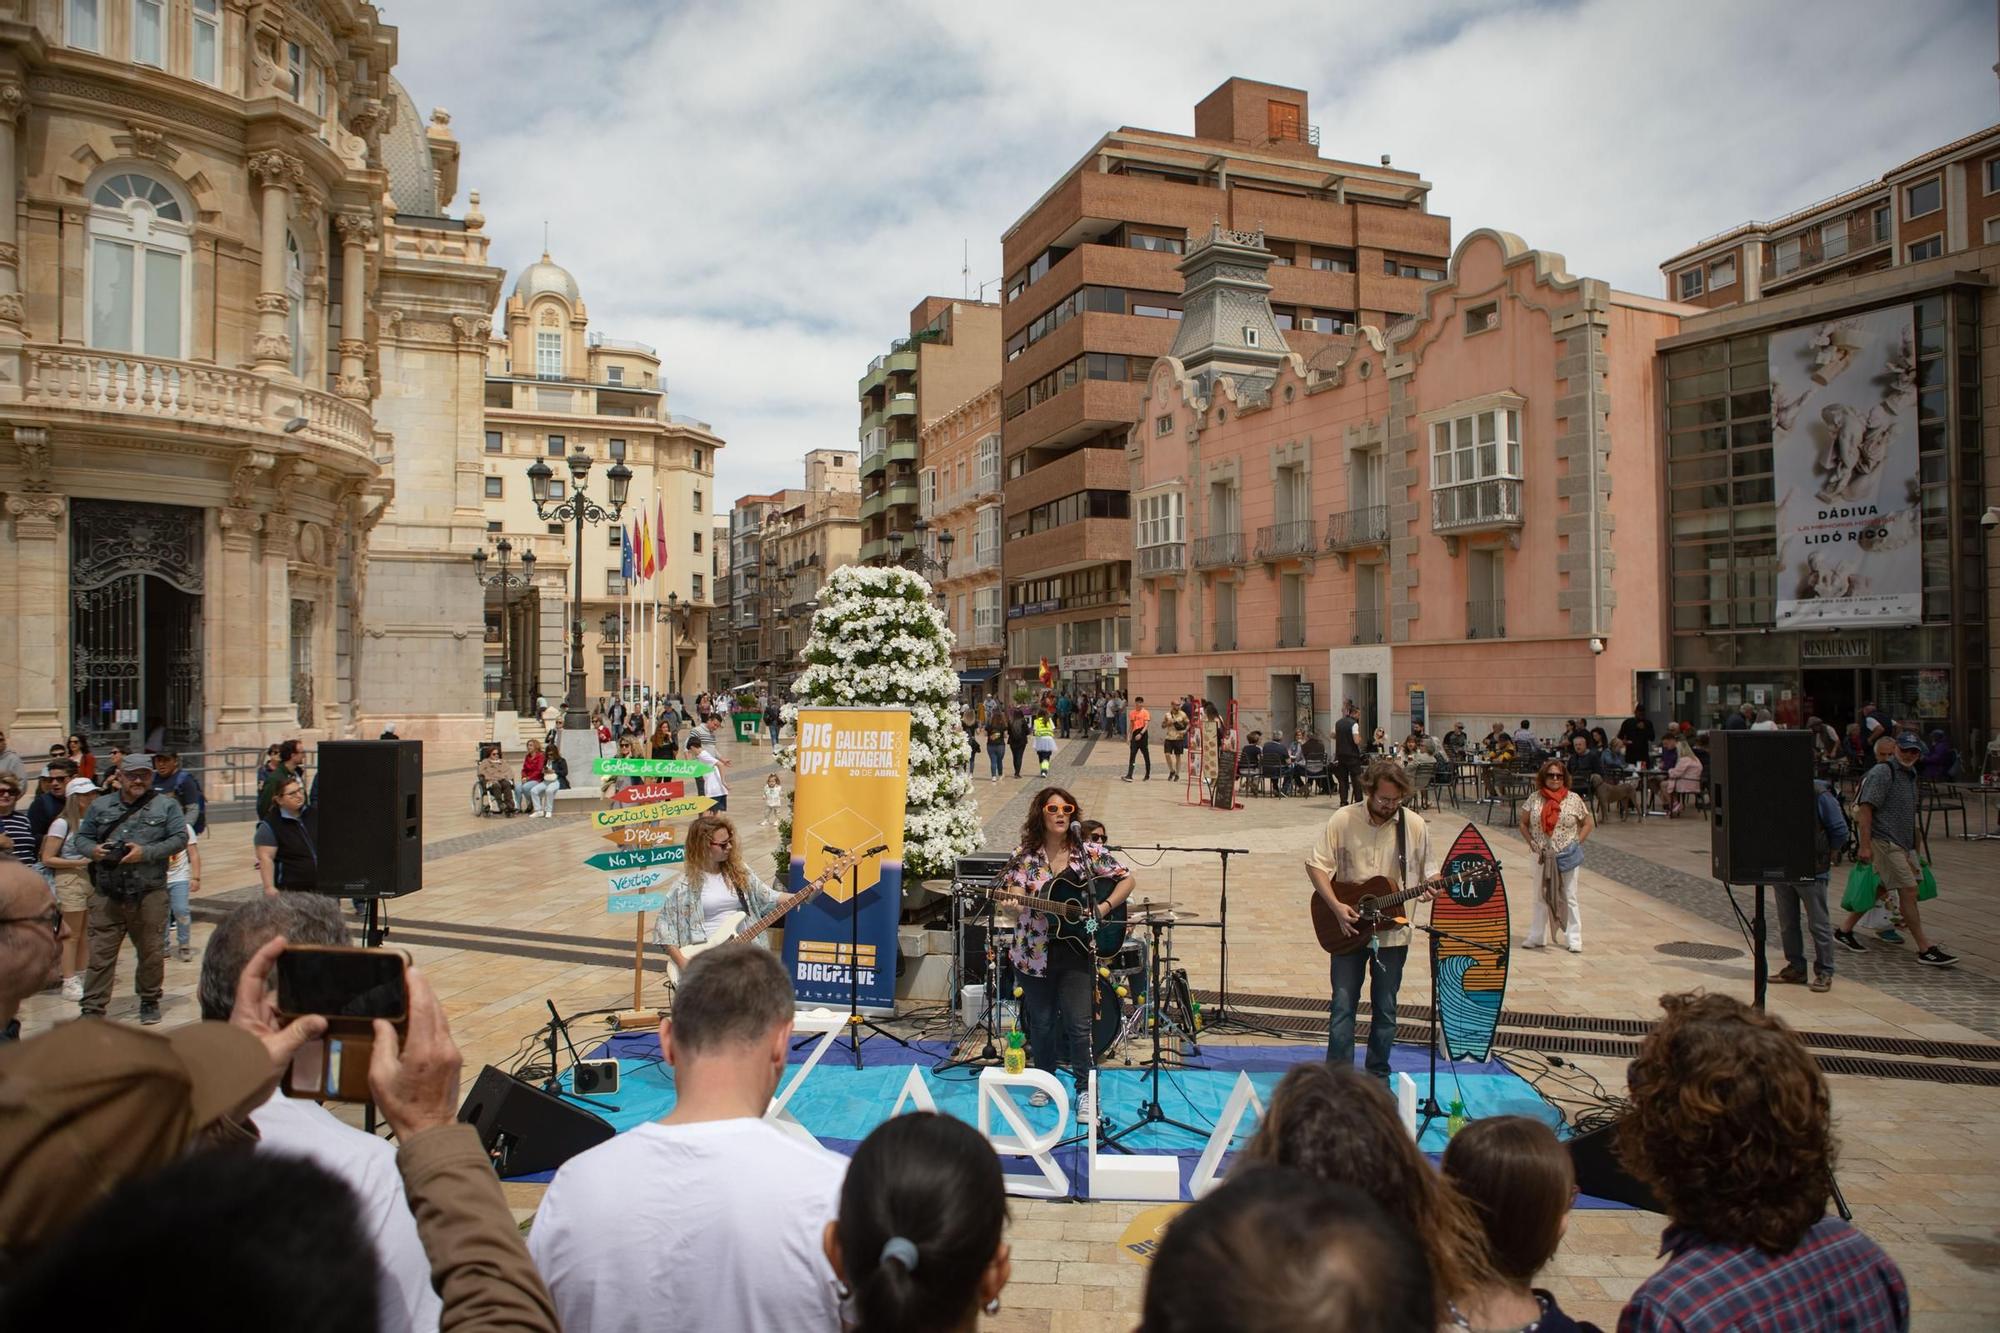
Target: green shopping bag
pixel 1927 886
pixel 1862 885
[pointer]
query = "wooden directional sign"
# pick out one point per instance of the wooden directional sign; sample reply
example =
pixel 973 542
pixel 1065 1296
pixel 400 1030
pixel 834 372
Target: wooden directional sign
pixel 641 835
pixel 649 814
pixel 646 792
pixel 637 857
pixel 630 892
pixel 618 766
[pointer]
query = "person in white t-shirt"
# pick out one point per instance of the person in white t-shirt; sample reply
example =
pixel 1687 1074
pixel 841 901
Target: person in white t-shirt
pixel 711 778
pixel 299 1128
pixel 183 878
pixel 712 1217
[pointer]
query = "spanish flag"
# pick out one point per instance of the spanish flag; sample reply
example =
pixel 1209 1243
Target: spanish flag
pixel 1047 674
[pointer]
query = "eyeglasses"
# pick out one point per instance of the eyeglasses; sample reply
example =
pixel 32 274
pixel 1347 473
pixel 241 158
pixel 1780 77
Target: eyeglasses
pixel 1059 808
pixel 10 793
pixel 51 918
pixel 721 844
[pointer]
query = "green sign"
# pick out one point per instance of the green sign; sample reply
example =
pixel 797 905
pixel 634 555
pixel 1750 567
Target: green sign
pixel 637 857
pixel 615 766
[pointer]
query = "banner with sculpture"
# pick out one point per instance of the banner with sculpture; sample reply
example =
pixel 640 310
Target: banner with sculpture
pixel 1844 465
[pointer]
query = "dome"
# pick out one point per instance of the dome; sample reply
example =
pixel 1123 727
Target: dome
pixel 406 156
pixel 544 275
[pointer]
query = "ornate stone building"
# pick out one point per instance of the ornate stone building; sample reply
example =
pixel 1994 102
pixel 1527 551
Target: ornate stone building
pixel 208 272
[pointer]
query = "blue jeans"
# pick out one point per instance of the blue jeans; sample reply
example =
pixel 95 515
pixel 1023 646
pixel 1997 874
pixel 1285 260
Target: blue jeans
pixel 1813 895
pixel 178 913
pixel 995 755
pixel 541 795
pixel 1056 1010
pixel 1386 973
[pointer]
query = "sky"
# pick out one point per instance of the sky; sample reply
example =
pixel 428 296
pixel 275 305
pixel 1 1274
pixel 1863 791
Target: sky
pixel 763 190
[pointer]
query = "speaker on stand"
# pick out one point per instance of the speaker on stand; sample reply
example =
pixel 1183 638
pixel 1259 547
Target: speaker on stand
pixel 369 803
pixel 1761 818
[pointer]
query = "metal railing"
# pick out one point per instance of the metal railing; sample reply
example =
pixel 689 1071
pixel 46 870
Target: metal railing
pixel 1486 619
pixel 1369 626
pixel 1280 541
pixel 1494 503
pixel 1296 133
pixel 1820 250
pixel 1366 526
pixel 1166 558
pixel 1225 637
pixel 1292 631
pixel 1167 638
pixel 1223 548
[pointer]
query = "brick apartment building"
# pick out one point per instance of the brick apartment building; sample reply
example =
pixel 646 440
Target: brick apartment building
pixel 959 485
pixel 1092 296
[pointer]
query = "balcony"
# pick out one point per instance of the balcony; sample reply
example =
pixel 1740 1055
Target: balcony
pixel 1477 506
pixel 1167 558
pixel 871 421
pixel 898 494
pixel 901 451
pixel 1486 619
pixel 901 405
pixel 1292 631
pixel 1369 625
pixel 871 505
pixel 1287 541
pixel 1224 548
pixel 1358 528
pixel 1820 251
pixel 877 372
pixel 873 551
pixel 1225 637
pixel 1167 639
pixel 902 361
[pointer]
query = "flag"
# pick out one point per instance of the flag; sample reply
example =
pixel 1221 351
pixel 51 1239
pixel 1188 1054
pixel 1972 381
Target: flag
pixel 1047 674
pixel 660 526
pixel 625 565
pixel 646 541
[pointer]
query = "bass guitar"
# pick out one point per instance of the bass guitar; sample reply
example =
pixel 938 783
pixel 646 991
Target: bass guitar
pixel 1070 900
pixel 1374 901
pixel 742 926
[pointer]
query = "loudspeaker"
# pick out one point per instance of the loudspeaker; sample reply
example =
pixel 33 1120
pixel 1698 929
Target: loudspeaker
pixel 525 1130
pixel 1599 1172
pixel 370 806
pixel 1762 818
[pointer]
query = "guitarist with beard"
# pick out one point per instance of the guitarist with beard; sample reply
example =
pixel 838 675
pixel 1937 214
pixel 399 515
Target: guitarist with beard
pixel 1057 978
pixel 1375 836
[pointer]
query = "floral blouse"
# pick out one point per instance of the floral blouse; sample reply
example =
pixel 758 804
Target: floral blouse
pixel 1029 874
pixel 680 922
pixel 1569 820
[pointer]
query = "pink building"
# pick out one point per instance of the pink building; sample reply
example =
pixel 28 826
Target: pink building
pixel 1462 511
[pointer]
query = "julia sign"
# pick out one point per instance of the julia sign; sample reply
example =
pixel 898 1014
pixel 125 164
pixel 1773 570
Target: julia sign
pixel 646 792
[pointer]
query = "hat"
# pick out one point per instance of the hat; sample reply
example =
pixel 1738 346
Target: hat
pixel 79 787
pixel 92 1104
pixel 1908 741
pixel 137 762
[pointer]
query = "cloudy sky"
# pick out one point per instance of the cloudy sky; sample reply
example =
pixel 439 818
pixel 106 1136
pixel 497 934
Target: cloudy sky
pixel 763 189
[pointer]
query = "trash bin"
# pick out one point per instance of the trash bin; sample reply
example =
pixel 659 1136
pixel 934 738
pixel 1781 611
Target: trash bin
pixel 747 725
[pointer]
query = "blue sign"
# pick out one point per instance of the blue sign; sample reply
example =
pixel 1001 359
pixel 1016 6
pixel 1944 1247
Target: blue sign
pixel 626 903
pixel 817 936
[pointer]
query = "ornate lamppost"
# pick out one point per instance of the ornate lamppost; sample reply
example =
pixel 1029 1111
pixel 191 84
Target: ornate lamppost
pixel 675 617
pixel 920 559
pixel 582 511
pixel 503 580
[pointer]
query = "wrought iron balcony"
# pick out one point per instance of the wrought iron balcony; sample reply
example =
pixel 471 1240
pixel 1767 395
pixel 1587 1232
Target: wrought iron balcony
pixel 1292 631
pixel 1166 558
pixel 1369 626
pixel 1283 541
pixel 1225 637
pixel 1167 639
pixel 1822 249
pixel 1476 505
pixel 1486 619
pixel 1358 528
pixel 1223 548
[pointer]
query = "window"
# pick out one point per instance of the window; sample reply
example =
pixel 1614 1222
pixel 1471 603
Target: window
pixel 1722 273
pixel 697 543
pixel 205 42
pixel 614 374
pixel 556 447
pixel 986 536
pixel 295 71
pixel 1160 519
pixel 148 33
pixel 1163 425
pixel 1785 255
pixel 1483 317
pixel 493 525
pixel 295 314
pixel 83 30
pixel 558 530
pixel 615 537
pixel 1138 240
pixel 1832 238
pixel 614 583
pixel 493 485
pixel 1928 248
pixel 548 354
pixel 1485 596
pixel 494 442
pixel 1992 174
pixel 1691 283
pixel 618 451
pixel 1333 261
pixel 138 267
pixel 1249 336
pixel 1923 197
pixel 697 501
pixel 696 589
pixel 556 488
pixel 697 460
pixel 1403 268
pixel 1992 230
pixel 1476 448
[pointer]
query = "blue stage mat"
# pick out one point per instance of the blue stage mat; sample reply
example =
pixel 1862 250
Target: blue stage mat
pixel 840 1104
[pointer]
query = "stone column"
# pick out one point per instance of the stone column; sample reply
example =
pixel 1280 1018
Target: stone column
pixel 275 662
pixel 357 231
pixel 40 573
pixel 13 101
pixel 271 346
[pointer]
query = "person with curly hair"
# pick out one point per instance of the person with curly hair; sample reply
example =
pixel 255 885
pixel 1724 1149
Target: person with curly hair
pixel 1731 1129
pixel 1340 1126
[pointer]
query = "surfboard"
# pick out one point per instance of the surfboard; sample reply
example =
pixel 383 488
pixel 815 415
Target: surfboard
pixel 1471 982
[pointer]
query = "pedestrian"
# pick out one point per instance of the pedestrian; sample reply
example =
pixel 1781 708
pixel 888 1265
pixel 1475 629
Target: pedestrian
pixel 1347 757
pixel 1065 710
pixel 712 783
pixel 11 763
pixel 127 836
pixel 79 753
pixel 556 769
pixel 1829 835
pixel 774 721
pixel 996 746
pixel 291 764
pixel 498 779
pixel 1173 739
pixel 1045 740
pixel 1890 839
pixel 70 870
pixel 662 744
pixel 183 879
pixel 774 800
pixel 1140 746
pixel 1017 736
pixel 17 830
pixel 183 786
pixel 287 844
pixel 970 725
pixel 535 783
pixel 1556 823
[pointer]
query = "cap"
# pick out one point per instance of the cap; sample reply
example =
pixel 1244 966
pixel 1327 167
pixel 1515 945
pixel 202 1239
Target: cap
pixel 1908 741
pixel 137 762
pixel 79 787
pixel 93 1103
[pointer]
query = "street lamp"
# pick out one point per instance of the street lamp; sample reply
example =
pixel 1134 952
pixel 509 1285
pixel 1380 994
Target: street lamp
pixel 920 559
pixel 504 581
pixel 674 616
pixel 579 509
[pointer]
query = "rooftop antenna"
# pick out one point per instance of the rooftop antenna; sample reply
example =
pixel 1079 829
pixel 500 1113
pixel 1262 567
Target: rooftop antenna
pixel 545 238
pixel 965 271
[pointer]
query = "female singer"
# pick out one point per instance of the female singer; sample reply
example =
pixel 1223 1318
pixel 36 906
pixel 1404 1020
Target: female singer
pixel 1058 980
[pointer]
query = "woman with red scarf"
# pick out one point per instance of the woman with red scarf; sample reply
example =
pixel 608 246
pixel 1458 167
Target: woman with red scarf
pixel 1556 821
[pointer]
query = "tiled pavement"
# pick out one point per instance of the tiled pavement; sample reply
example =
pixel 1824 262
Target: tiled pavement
pixel 506 921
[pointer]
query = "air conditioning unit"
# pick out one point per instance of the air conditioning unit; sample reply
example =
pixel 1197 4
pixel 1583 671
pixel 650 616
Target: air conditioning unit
pixel 1309 325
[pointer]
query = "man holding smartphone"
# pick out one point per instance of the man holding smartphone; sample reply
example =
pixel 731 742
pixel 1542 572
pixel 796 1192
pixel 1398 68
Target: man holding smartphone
pixel 128 834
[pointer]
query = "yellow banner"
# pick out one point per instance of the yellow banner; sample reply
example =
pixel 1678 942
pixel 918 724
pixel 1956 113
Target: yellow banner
pixel 647 814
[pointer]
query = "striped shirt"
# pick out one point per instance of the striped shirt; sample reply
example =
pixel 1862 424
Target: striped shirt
pixel 20 831
pixel 1834 1278
pixel 1890 790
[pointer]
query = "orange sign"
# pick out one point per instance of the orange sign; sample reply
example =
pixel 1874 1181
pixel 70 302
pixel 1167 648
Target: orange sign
pixel 642 835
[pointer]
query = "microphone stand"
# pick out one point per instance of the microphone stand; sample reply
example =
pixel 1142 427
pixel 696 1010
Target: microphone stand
pixel 1430 1109
pixel 855 1022
pixel 989 1055
pixel 1222 1014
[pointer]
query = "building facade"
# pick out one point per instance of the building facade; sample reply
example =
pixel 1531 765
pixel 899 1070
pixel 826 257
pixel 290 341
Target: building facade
pixel 960 505
pixel 554 391
pixel 195 270
pixel 1092 296
pixel 952 351
pixel 817 533
pixel 748 646
pixel 1420 520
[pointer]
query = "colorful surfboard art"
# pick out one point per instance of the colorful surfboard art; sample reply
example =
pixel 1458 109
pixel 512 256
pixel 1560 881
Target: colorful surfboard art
pixel 1471 982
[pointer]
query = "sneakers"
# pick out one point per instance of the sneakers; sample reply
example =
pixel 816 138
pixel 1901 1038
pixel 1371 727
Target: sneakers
pixel 1889 935
pixel 187 954
pixel 1086 1110
pixel 1576 948
pixel 72 987
pixel 149 1012
pixel 1936 957
pixel 1822 981
pixel 1793 975
pixel 1845 939
pixel 1038 1099
pixel 1126 778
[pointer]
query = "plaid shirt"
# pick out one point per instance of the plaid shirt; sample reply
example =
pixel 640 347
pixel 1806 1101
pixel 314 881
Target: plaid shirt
pixel 1834 1278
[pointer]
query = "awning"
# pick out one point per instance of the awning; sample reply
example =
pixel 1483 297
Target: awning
pixel 979 676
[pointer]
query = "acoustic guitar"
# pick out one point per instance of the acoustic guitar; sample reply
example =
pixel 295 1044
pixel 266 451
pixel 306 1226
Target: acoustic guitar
pixel 742 926
pixel 1374 901
pixel 1070 902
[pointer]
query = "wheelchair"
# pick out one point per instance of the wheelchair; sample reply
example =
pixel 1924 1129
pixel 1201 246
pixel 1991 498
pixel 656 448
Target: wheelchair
pixel 492 799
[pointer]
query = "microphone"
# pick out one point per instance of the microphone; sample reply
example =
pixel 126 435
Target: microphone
pixel 1076 830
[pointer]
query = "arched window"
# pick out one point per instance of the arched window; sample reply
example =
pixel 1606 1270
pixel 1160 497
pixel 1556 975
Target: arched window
pixel 139 248
pixel 295 287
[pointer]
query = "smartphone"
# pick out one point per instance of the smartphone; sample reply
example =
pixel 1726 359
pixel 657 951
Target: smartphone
pixel 351 988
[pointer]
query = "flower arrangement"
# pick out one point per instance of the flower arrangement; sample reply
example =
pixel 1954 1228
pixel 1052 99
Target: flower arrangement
pixel 878 639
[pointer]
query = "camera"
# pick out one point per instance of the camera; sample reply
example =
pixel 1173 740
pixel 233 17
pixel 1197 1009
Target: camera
pixel 114 852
